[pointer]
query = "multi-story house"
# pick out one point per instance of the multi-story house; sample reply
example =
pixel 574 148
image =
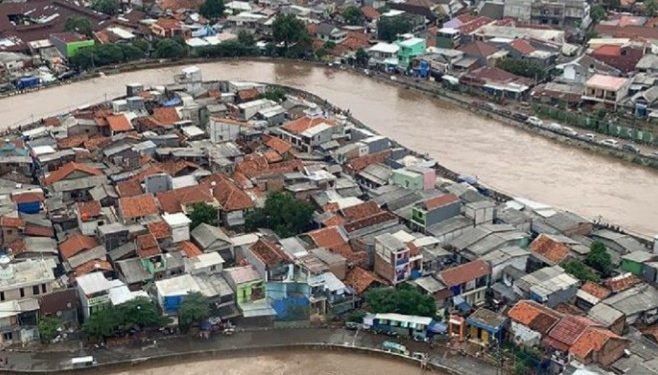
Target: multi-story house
pixel 573 13
pixel 468 281
pixel 393 259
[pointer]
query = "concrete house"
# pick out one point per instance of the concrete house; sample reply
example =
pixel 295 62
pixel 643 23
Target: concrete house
pixel 550 285
pixel 330 33
pixel 414 178
pixel 392 259
pixel 26 279
pixel 212 239
pixel 607 90
pixel 467 281
pixel 435 210
pixel 531 322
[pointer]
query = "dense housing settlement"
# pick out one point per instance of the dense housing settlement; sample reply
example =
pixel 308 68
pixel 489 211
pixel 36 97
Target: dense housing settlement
pixel 174 194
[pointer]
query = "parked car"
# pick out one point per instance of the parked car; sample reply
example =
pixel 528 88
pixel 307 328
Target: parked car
pixel 419 356
pixel 631 148
pixel 352 325
pixel 569 131
pixel 590 136
pixel 610 142
pixel 555 126
pixel 520 116
pixel 532 120
pixel 394 347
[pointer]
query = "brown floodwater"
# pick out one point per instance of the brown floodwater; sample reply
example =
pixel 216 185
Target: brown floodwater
pixel 282 363
pixel 505 158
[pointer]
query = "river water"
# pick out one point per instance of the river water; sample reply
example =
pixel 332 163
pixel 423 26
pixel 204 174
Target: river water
pixel 283 363
pixel 508 159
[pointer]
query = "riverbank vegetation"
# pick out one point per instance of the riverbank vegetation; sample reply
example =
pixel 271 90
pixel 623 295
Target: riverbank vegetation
pixel 403 299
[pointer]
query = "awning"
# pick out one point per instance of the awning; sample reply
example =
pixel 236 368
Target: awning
pixel 460 303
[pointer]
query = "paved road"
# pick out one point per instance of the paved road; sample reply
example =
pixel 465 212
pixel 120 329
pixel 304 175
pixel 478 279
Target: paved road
pixel 52 361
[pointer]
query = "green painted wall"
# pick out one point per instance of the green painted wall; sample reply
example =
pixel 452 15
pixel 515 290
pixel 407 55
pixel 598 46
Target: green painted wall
pixel 73 47
pixel 406 179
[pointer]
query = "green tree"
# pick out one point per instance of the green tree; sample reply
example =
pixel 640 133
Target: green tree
pixel 329 45
pixel 142 44
pixel 84 59
pixel 356 316
pixel 104 323
pixel 361 57
pixel 650 7
pixel 388 28
pixel 107 54
pixel 131 52
pixel 246 38
pixel 194 308
pixel 49 327
pixel 277 94
pixel 599 258
pixel 591 34
pixel 402 300
pixel 79 24
pixel 353 15
pixel 597 13
pixel 288 29
pixel 203 213
pixel 110 7
pixel 169 49
pixel 283 214
pixel 580 271
pixel 522 68
pixel 321 53
pixel 212 9
pixel 141 312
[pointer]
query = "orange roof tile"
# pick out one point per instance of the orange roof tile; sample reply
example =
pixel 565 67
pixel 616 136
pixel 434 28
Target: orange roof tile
pixel 268 252
pixel 550 249
pixel 334 220
pixel 191 250
pixel 248 94
pixel 465 272
pixel 440 201
pixel 138 206
pixel 522 46
pixel 369 12
pixel 72 141
pixel 159 229
pixel 129 188
pixel 93 265
pixel 595 290
pixel 378 218
pixel 16 247
pixel 356 165
pixel 166 115
pixel 567 331
pixel 278 145
pixel 327 237
pixel 534 315
pixel 119 123
pixel 69 168
pixel 173 201
pixel 28 197
pixel 175 167
pixel 147 246
pixel 622 282
pixel 89 210
pixel 593 339
pixel 228 195
pixel 361 210
pixel 11 222
pixel 272 156
pixel 360 280
pixel 38 231
pixel 256 165
pixel 76 244
pixel 302 124
pixel 94 143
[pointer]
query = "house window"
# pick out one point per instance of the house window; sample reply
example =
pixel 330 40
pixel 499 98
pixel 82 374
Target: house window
pixel 35 290
pixel 7 336
pixel 2 296
pixel 10 232
pixel 43 288
pixel 22 292
pixel 213 268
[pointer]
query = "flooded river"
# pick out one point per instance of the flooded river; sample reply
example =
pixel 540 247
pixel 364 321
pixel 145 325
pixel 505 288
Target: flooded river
pixel 506 158
pixel 284 363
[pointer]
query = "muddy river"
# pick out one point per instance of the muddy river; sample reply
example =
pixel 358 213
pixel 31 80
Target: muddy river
pixel 505 158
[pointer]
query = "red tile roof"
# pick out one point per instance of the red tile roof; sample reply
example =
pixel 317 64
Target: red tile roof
pixel 622 282
pixel 93 265
pixel 16 247
pixel 248 94
pixel 550 249
pixel 166 115
pixel 272 156
pixel 147 246
pixel 327 237
pixel 256 165
pixel 129 188
pixel 567 331
pixel 190 249
pixel 268 252
pixel 67 169
pixel 368 221
pixel 28 197
pixel 595 290
pixel 180 4
pixel 302 124
pixel 119 123
pixel 535 316
pixel 360 280
pixel 173 201
pixel 11 222
pixel 72 141
pixel 76 244
pixel 138 206
pixel 440 201
pixel 464 273
pixel 159 229
pixel 522 46
pixel 175 167
pixel 370 12
pixel 479 49
pixel 89 210
pixel 361 210
pixel 278 145
pixel 228 195
pixel 474 24
pixel 592 340
pixel 38 231
pixel 356 165
pixel 608 50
